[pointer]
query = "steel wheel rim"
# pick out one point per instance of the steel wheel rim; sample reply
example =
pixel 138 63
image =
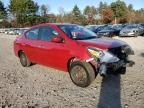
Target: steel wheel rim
pixel 79 75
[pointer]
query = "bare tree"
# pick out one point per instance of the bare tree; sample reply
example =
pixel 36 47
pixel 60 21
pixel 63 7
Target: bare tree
pixel 45 10
pixel 61 11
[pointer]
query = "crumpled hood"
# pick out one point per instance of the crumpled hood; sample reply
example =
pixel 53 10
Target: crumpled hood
pixel 102 43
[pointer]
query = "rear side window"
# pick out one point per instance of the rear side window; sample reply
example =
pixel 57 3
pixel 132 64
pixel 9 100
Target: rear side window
pixel 32 34
pixel 46 33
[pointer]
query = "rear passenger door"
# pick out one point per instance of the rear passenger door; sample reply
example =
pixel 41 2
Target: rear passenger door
pixel 31 44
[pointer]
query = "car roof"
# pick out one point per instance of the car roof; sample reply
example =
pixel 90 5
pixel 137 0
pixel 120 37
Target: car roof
pixel 64 24
pixel 51 24
pixel 55 24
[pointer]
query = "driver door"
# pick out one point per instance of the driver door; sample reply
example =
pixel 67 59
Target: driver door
pixel 50 53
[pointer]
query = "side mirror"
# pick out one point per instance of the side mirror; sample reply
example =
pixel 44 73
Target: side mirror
pixel 57 39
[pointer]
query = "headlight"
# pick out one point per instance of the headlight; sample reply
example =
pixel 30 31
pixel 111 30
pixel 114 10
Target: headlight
pixel 109 58
pixel 96 52
pixel 135 31
pixel 103 56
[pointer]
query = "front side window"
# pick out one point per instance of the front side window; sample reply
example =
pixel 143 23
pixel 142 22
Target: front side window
pixel 46 33
pixel 77 32
pixel 32 34
pixel 107 28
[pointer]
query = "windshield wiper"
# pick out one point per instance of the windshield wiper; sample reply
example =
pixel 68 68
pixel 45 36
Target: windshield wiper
pixel 91 37
pixel 86 38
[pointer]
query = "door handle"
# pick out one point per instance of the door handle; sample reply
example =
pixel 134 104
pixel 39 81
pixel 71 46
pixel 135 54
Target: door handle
pixel 40 46
pixel 23 44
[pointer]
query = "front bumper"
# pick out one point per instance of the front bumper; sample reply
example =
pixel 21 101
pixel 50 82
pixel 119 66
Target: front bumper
pixel 114 68
pixel 111 61
pixel 128 34
pixel 103 34
pixel 104 68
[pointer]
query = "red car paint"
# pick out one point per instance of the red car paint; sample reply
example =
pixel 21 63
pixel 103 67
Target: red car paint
pixel 58 55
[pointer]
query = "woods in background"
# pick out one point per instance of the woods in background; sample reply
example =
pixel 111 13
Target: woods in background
pixel 24 13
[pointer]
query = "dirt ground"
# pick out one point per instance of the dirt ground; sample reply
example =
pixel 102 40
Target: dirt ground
pixel 43 87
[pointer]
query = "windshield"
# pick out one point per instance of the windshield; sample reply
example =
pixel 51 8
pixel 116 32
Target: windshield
pixel 100 28
pixel 131 26
pixel 107 28
pixel 92 28
pixel 77 32
pixel 117 27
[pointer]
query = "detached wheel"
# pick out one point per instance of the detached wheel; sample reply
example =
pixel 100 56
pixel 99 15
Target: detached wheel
pixel 25 62
pixel 81 73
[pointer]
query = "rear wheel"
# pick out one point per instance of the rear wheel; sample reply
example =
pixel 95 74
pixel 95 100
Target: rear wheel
pixel 81 73
pixel 25 62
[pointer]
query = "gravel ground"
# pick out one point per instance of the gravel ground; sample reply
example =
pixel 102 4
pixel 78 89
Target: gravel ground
pixel 43 87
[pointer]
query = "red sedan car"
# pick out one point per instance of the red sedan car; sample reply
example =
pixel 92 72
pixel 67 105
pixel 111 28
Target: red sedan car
pixel 72 48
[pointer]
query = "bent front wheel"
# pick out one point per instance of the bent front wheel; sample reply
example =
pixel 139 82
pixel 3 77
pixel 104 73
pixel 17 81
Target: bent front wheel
pixel 81 73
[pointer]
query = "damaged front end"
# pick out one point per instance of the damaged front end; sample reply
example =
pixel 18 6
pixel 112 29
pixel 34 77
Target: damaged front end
pixel 113 60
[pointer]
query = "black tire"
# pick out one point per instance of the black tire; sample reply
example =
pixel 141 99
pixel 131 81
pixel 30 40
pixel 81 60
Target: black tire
pixel 25 62
pixel 84 76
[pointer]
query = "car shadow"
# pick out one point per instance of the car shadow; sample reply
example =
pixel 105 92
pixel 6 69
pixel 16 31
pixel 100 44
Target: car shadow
pixel 142 54
pixel 110 93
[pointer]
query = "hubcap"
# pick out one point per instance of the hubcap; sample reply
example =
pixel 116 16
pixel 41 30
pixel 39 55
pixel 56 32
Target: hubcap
pixel 79 75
